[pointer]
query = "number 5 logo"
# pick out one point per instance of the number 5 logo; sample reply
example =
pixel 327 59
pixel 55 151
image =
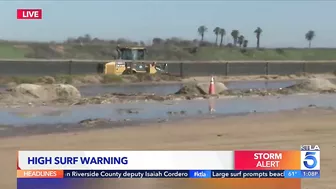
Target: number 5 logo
pixel 310 156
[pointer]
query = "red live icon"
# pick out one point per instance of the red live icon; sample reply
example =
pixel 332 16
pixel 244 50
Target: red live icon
pixel 29 14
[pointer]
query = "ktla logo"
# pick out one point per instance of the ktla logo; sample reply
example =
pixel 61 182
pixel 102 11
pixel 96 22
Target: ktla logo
pixel 310 157
pixel 29 14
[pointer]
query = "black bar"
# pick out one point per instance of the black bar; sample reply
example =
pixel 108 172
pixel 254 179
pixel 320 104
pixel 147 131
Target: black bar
pixel 174 174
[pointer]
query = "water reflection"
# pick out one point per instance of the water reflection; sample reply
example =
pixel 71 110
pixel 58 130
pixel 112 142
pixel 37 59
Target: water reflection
pixel 157 110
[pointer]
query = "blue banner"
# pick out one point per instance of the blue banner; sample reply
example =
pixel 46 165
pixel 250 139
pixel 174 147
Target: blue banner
pixel 292 174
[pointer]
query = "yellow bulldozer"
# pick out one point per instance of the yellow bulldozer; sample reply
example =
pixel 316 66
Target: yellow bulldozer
pixel 129 61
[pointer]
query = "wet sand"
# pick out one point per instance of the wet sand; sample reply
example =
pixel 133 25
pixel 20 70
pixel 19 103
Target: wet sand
pixel 283 130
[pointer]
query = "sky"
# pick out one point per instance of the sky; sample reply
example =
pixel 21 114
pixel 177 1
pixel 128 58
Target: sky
pixel 284 23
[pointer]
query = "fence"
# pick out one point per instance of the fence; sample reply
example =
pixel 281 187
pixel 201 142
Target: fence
pixel 180 68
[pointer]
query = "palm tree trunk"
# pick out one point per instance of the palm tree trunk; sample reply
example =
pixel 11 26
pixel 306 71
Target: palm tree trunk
pixel 221 41
pixel 258 42
pixel 202 37
pixel 309 43
pixel 216 40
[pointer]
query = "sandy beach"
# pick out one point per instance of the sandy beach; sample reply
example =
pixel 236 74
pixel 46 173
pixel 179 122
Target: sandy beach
pixel 285 130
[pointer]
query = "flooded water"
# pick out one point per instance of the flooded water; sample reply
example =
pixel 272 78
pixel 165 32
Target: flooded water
pixel 159 89
pixel 165 89
pixel 260 84
pixel 166 110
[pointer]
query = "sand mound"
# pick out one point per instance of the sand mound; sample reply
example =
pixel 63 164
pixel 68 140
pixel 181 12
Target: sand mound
pixel 190 89
pixel 219 87
pixel 314 84
pixel 47 80
pixel 44 92
pixel 201 88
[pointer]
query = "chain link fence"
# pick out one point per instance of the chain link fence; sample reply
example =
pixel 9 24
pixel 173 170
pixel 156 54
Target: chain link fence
pixel 179 68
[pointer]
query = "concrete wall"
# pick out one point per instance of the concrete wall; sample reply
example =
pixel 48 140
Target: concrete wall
pixel 46 67
pixel 54 67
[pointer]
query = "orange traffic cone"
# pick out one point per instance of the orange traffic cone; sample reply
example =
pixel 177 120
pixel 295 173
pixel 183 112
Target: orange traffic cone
pixel 212 86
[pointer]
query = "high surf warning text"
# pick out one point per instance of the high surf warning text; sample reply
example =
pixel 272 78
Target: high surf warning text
pixel 77 160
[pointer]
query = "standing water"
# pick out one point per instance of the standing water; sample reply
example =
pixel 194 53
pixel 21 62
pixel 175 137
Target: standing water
pixel 159 110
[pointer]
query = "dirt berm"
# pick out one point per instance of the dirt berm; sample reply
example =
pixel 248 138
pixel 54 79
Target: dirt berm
pixel 314 84
pixel 33 92
pixel 201 88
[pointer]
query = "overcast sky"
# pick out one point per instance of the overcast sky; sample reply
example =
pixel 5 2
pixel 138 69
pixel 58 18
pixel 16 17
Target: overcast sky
pixel 284 22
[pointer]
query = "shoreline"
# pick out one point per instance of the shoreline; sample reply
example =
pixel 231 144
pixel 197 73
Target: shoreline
pixel 121 98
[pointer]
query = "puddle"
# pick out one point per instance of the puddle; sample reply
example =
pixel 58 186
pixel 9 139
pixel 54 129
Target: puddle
pixel 260 84
pixel 165 89
pixel 143 111
pixel 159 89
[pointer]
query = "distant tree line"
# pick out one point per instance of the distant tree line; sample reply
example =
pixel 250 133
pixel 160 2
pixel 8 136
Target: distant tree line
pixel 238 39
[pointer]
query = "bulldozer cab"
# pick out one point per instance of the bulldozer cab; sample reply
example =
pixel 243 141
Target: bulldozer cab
pixel 131 53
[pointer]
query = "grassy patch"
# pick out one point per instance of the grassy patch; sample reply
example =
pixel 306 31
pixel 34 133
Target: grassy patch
pixel 145 77
pixel 111 78
pixel 156 77
pixel 11 52
pixel 23 79
pixel 66 79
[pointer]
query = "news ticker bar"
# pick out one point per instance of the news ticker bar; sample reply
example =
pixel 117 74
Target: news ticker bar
pixel 168 174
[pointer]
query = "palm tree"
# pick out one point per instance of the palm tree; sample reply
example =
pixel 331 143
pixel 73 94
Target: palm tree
pixel 258 32
pixel 310 36
pixel 235 34
pixel 216 31
pixel 241 40
pixel 222 33
pixel 245 43
pixel 201 31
